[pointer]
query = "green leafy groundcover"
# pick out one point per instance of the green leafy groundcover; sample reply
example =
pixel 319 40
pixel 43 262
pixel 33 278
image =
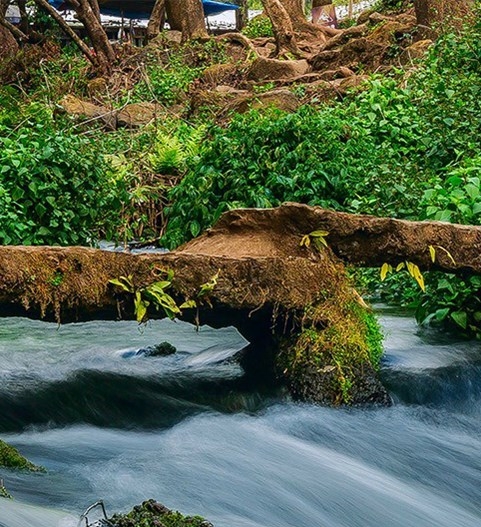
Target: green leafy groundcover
pixel 406 147
pixel 55 187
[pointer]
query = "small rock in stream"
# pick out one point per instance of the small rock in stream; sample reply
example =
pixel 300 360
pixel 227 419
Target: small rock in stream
pixel 159 350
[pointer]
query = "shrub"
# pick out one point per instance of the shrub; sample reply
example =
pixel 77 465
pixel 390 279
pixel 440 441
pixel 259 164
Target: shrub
pixel 55 187
pixel 259 26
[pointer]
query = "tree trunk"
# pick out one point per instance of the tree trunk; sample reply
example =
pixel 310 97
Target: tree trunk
pixel 94 5
pixel 439 16
pixel 283 28
pixel 24 22
pixel 295 8
pixel 156 19
pixel 241 15
pixel 104 51
pixel 188 16
pixel 8 44
pixel 267 284
pixel 174 15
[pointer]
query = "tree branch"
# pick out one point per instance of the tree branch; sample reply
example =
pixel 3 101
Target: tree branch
pixel 43 4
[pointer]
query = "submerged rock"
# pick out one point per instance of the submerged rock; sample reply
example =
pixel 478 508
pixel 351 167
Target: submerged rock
pixel 153 514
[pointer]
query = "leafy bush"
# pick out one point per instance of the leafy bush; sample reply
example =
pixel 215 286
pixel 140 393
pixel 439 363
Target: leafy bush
pixel 458 198
pixel 55 187
pixel 259 26
pixel 357 157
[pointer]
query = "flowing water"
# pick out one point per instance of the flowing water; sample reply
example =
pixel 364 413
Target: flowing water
pixel 193 432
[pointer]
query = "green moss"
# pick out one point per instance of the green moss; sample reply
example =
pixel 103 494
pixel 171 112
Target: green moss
pixel 10 457
pixel 374 338
pixel 335 357
pixel 153 514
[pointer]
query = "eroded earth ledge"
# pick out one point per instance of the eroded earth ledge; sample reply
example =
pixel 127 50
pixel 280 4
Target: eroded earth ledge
pixel 281 295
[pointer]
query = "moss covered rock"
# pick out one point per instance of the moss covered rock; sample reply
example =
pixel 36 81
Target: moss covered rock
pixel 154 514
pixel 10 457
pixel 334 359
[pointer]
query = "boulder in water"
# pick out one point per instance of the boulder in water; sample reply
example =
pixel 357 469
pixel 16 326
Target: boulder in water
pixel 153 514
pixel 159 350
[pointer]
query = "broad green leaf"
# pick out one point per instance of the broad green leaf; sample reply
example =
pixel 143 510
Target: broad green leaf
pixel 160 285
pixel 441 314
pixel 461 318
pixel 121 284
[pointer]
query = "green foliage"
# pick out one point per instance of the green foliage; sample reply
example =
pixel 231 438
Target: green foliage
pixel 173 152
pixel 169 80
pixel 457 199
pixel 55 187
pixel 46 73
pixel 259 26
pixel 374 337
pixel 356 157
pixel 166 84
pixel 154 294
pixel 453 302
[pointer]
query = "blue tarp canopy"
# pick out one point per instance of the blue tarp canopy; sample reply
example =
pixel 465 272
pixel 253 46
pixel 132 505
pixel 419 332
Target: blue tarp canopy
pixel 143 8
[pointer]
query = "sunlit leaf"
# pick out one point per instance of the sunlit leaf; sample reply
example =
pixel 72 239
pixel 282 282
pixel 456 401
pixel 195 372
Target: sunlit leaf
pixel 448 254
pixel 188 304
pixel 418 277
pixel 305 241
pixel 385 269
pixel 140 307
pixel 319 234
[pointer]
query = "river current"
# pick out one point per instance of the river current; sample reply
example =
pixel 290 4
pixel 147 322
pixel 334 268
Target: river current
pixel 191 431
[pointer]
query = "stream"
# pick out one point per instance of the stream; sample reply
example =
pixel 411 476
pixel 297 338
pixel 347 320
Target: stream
pixel 192 431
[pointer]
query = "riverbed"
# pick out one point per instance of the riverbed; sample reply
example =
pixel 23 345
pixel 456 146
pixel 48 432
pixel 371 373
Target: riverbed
pixel 191 431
